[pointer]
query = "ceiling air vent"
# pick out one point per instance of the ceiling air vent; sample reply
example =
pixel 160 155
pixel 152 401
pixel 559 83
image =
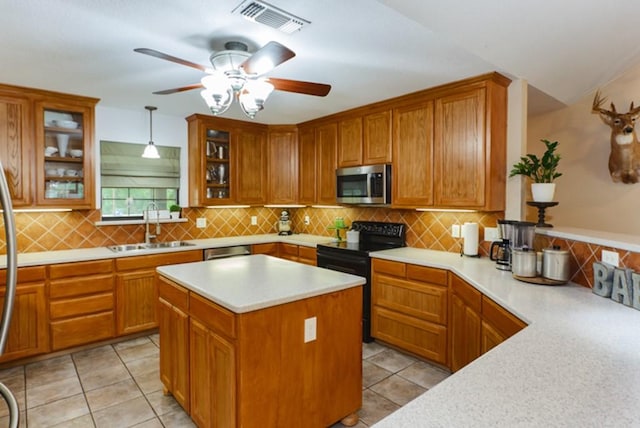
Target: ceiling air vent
pixel 269 15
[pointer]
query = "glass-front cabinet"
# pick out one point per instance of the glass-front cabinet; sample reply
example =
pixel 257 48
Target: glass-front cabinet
pixel 64 153
pixel 217 164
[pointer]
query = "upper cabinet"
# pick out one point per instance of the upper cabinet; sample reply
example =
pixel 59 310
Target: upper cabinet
pixel 365 139
pixel 350 142
pixel 227 161
pixel 326 158
pixel 282 165
pixel 307 165
pixel 46 147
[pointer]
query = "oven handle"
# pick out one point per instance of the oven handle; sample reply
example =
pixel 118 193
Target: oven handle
pixel 343 269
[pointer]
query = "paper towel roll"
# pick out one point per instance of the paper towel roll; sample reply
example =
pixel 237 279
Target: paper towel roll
pixel 470 236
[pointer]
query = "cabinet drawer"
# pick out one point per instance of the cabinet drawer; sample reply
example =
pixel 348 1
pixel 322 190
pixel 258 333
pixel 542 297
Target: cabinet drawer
pixel 427 274
pixel 424 301
pixel 270 249
pixel 154 260
pixel 392 268
pixel 214 316
pixel 25 274
pixel 421 337
pixel 288 251
pixel 173 293
pixel 66 270
pixel 467 293
pixel 82 330
pixel 501 319
pixel 307 255
pixel 81 306
pixel 81 286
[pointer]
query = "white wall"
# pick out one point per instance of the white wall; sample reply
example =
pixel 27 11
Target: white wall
pixel 132 126
pixel 516 146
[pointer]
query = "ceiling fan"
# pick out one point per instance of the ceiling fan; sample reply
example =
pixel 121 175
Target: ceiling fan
pixel 236 73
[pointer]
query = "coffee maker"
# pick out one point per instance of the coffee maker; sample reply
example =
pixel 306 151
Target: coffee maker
pixel 516 235
pixel 284 224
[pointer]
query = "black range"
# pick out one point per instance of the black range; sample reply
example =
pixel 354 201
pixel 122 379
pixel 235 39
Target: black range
pixel 354 257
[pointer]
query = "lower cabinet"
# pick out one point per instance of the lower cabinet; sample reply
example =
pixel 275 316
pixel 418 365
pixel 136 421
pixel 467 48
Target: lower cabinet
pixel 477 323
pixel 409 308
pixel 28 332
pixel 136 292
pixel 81 303
pixel 293 252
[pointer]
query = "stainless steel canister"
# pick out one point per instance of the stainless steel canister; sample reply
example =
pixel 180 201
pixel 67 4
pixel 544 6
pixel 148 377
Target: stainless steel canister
pixel 555 264
pixel 523 262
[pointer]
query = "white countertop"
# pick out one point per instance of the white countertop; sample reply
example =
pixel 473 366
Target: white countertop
pixel 576 364
pixel 84 254
pixel 245 284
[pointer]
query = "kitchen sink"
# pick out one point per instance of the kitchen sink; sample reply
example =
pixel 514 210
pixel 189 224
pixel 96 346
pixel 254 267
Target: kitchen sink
pixel 150 246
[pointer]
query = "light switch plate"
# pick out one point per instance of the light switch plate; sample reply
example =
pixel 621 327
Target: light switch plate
pixel 491 234
pixel 310 325
pixel 611 257
pixel 455 230
pixel 254 220
pixel 201 223
pixel 307 220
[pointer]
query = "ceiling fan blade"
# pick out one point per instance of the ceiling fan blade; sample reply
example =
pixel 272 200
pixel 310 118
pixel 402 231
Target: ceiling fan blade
pixel 181 89
pixel 167 57
pixel 300 87
pixel 267 58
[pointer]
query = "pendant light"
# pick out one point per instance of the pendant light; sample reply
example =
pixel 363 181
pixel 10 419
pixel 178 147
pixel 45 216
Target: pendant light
pixel 151 152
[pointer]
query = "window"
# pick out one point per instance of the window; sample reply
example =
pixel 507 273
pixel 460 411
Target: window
pixel 130 183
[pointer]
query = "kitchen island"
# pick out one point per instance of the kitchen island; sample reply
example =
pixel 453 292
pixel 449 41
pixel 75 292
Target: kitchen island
pixel 260 341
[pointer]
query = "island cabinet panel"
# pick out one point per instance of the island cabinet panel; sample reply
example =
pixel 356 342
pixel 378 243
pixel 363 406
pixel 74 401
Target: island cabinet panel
pixel 173 317
pixel 28 333
pixel 81 303
pixel 412 174
pixel 136 290
pixel 477 323
pixel 409 307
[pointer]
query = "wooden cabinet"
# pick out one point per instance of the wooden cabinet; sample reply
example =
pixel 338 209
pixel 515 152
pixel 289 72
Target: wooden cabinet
pixel 64 177
pixel 16 145
pixel 409 308
pixel 307 167
pixel 227 161
pixel 477 324
pixel 136 290
pixel 412 174
pixel 81 303
pixel 270 249
pixel 28 332
pixel 350 142
pixel 326 158
pixel 465 323
pixel 173 308
pixel 28 126
pixel 282 165
pixel 293 252
pixel 377 138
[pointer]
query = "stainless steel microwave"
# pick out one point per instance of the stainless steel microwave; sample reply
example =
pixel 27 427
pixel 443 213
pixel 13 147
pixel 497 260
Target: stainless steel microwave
pixel 364 185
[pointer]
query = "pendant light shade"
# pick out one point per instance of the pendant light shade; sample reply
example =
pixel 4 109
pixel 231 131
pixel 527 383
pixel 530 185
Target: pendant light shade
pixel 150 151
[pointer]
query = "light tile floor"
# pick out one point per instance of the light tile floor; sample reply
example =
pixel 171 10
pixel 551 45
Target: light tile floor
pixel 118 386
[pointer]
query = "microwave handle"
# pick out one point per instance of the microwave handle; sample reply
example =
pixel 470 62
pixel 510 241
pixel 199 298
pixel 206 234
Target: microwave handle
pixel 370 184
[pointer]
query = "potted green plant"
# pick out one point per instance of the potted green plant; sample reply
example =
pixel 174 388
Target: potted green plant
pixel 174 211
pixel 542 171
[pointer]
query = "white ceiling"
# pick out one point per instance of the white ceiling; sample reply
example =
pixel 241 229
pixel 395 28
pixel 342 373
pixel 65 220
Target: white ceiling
pixel 367 50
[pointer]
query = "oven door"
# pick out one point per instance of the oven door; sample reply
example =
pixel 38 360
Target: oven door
pixel 346 261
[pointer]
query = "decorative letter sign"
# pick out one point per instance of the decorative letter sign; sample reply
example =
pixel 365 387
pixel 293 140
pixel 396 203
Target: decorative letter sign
pixel 619 284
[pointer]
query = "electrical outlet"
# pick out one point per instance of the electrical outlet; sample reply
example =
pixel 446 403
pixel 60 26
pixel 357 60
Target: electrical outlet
pixel 610 257
pixel 307 221
pixel 254 220
pixel 201 223
pixel 310 326
pixel 491 234
pixel 455 230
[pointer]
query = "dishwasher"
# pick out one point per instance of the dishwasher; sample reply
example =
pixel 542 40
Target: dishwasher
pixel 224 252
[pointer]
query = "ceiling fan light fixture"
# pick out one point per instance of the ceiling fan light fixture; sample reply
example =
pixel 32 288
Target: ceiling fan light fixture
pixel 253 96
pixel 217 101
pixel 150 150
pixel 228 60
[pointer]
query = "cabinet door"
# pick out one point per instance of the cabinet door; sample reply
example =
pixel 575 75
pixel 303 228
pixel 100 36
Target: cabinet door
pixel 28 333
pixel 465 333
pixel 283 166
pixel 174 351
pixel 377 138
pixel 64 177
pixel 460 145
pixel 307 166
pixel 490 337
pixel 251 166
pixel 350 142
pixel 270 249
pixel 136 301
pixel 16 140
pixel 412 184
pixel 327 146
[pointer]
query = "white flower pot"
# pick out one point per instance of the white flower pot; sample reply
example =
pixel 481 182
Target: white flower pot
pixel 543 192
pixel 174 214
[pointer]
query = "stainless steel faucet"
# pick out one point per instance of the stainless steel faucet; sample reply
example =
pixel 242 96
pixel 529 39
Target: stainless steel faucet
pixel 148 236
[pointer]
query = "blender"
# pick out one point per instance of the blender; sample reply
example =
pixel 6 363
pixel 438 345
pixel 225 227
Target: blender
pixel 284 224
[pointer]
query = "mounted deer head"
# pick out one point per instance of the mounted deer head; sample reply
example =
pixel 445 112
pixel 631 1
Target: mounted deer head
pixel 624 159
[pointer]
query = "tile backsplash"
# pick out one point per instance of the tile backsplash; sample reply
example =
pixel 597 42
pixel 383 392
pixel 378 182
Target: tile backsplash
pixel 431 230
